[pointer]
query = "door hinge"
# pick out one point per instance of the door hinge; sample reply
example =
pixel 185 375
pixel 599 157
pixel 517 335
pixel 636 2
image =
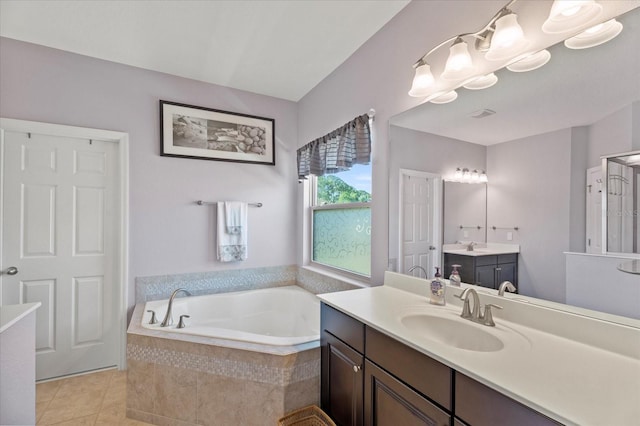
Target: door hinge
pixel 589 242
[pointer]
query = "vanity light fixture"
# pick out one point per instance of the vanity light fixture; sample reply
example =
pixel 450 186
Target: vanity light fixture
pixel 459 64
pixel 503 39
pixel 464 175
pixel 567 15
pixel 595 35
pixel 422 81
pixel 508 39
pixel 530 62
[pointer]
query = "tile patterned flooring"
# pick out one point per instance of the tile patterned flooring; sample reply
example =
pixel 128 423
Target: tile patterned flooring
pixel 91 399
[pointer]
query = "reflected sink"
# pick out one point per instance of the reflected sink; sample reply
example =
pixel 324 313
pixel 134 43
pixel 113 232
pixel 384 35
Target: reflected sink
pixel 459 333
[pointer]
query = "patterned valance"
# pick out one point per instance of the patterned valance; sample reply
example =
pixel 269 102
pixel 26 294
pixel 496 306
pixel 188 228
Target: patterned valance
pixel 338 150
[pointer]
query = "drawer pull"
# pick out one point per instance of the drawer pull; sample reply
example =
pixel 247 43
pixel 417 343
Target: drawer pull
pixel 357 368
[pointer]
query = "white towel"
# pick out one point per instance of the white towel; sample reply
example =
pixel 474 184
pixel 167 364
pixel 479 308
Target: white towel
pixel 232 216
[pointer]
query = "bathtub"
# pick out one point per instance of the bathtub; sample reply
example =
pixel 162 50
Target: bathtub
pixel 280 316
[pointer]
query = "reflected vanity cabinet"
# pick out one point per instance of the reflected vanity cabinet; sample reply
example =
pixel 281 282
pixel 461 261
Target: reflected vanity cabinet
pixel 487 271
pixel 371 379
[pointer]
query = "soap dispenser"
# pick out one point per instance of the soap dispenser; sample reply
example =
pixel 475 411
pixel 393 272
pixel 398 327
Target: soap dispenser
pixel 454 278
pixel 436 296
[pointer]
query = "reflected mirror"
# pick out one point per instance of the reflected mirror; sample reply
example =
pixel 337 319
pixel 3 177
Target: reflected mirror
pixel 540 136
pixel 623 202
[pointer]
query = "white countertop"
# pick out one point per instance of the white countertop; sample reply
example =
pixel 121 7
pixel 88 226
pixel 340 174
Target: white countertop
pixel 481 249
pixel 11 314
pixel 578 381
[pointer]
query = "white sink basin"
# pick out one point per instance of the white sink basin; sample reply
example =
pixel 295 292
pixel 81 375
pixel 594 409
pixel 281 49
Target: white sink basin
pixel 457 332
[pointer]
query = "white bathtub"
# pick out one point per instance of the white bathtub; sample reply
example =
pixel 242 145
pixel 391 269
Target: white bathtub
pixel 274 316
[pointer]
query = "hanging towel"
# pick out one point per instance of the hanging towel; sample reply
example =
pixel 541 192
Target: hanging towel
pixel 235 216
pixel 232 216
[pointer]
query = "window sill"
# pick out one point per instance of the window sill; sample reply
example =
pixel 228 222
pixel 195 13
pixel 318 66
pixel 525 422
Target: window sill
pixel 335 275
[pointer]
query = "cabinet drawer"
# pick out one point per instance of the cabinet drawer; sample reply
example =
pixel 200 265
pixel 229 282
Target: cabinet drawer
pixel 424 374
pixel 486 260
pixel 479 405
pixel 345 328
pixel 508 258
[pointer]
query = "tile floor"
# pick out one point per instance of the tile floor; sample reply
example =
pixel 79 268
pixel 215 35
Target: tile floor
pixel 92 399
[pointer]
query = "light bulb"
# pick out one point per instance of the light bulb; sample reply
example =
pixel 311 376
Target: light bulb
pixel 567 15
pixel 422 81
pixel 595 35
pixel 475 176
pixel 483 177
pixel 458 174
pixel 459 64
pixel 508 39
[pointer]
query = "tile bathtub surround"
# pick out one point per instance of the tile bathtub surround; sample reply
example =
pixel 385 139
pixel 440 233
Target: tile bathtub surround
pixel 91 399
pixel 199 283
pixel 178 382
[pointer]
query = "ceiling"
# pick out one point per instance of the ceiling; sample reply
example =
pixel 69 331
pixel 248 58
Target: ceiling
pixel 576 88
pixel 275 48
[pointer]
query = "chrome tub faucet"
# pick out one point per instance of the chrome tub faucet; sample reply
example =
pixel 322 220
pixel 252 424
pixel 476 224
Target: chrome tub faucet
pixel 168 320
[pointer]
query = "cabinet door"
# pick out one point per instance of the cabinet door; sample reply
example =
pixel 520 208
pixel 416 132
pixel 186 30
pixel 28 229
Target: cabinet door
pixel 506 272
pixel 389 402
pixel 486 276
pixel 342 381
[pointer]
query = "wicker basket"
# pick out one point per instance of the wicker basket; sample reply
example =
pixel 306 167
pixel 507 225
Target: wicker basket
pixel 307 416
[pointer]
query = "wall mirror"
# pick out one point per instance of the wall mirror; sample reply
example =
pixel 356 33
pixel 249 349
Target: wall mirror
pixel 465 207
pixel 622 198
pixel 540 134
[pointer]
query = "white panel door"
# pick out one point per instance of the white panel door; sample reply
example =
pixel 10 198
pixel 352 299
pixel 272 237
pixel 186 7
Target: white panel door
pixel 419 221
pixel 58 230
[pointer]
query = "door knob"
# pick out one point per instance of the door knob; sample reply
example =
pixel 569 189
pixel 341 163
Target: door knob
pixel 11 270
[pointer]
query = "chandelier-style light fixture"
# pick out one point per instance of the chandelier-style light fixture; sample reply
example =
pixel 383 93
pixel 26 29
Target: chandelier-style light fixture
pixel 503 39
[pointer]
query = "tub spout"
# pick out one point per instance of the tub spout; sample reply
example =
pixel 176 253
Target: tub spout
pixel 168 320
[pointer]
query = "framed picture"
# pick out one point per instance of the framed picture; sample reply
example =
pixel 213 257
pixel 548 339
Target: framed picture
pixel 208 134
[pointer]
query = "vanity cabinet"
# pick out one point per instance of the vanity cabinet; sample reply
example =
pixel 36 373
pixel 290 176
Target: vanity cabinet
pixel 371 379
pixel 486 270
pixel 342 378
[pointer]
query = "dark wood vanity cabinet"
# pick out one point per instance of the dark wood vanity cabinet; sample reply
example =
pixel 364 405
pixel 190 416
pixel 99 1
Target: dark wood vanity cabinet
pixel 342 376
pixel 486 271
pixel 371 379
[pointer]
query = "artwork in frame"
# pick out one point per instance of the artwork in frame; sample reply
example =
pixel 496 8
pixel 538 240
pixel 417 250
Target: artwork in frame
pixel 196 132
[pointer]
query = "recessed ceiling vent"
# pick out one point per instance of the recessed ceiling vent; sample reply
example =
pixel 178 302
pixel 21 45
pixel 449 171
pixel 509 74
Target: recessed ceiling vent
pixel 482 113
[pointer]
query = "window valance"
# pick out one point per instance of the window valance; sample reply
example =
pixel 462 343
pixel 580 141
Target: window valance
pixel 337 151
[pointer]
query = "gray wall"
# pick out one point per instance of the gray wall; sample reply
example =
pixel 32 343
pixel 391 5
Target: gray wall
pixel 168 233
pixel 529 187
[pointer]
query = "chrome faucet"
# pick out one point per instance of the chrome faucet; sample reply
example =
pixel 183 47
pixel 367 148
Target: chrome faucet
pixel 418 267
pixel 485 318
pixel 168 320
pixel 506 285
pixel 470 246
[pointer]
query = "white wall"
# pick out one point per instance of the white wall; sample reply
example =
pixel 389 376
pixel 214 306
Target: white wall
pixel 168 232
pixel 612 134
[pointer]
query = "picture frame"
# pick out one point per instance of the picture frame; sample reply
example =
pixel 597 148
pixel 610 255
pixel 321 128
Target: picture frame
pixel 189 131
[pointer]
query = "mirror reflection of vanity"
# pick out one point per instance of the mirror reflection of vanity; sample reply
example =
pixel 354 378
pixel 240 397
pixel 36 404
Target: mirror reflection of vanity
pixel 550 128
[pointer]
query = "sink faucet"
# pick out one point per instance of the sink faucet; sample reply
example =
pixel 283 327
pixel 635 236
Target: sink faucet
pixel 418 267
pixel 485 318
pixel 506 285
pixel 470 246
pixel 168 320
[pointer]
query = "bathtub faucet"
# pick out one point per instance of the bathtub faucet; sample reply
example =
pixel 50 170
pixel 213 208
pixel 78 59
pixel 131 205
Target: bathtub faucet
pixel 168 320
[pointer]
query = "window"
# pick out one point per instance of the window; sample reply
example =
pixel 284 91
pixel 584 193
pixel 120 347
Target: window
pixel 341 220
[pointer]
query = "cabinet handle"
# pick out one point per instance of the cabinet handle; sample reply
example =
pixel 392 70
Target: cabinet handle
pixel 356 368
